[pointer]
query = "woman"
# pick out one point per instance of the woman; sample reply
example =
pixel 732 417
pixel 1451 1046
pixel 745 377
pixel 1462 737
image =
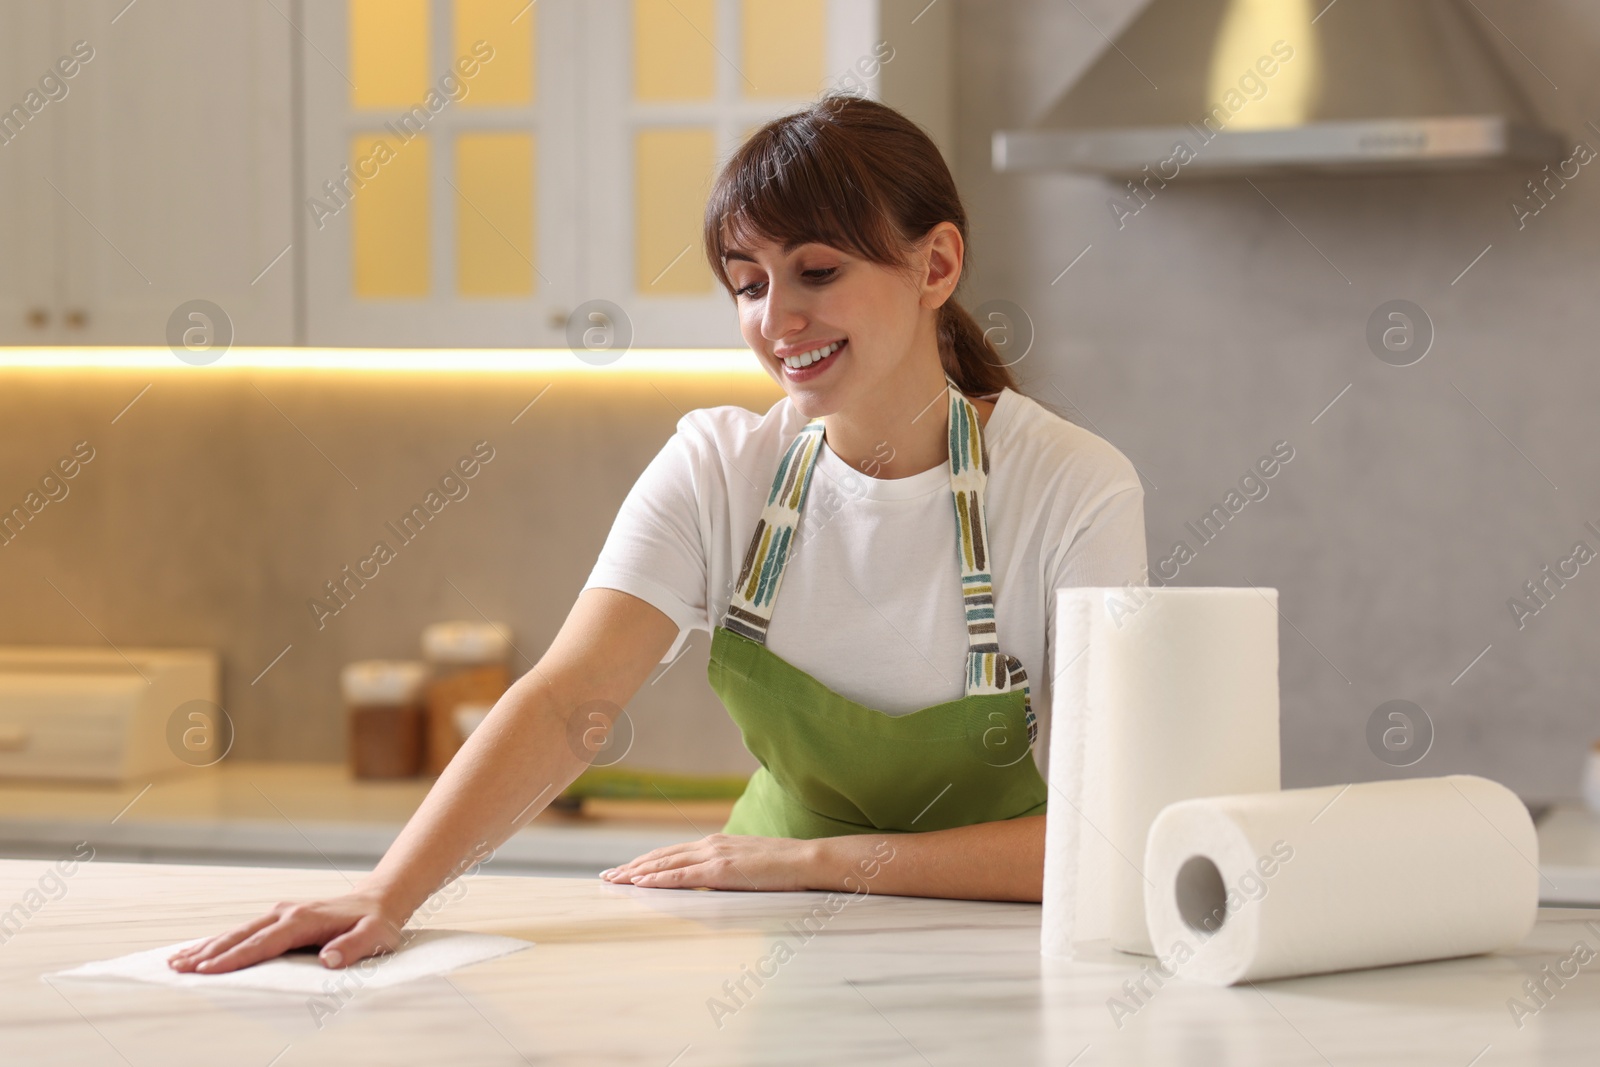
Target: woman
pixel 891 694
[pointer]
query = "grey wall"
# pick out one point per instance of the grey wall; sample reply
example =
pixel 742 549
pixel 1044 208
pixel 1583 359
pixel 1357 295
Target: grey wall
pixel 1207 328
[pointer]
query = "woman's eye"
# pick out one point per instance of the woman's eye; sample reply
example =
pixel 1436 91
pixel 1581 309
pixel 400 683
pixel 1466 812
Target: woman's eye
pixel 819 274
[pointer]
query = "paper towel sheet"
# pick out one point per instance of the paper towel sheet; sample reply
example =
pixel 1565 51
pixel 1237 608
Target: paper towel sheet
pixel 428 952
pixel 1161 694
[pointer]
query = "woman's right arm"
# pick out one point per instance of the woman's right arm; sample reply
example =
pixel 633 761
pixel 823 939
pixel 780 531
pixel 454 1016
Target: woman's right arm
pixel 511 766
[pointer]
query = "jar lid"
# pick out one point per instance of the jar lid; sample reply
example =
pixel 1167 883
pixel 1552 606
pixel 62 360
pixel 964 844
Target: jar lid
pixel 382 681
pixel 466 642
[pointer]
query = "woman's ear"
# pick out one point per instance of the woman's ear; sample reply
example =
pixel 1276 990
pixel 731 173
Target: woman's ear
pixel 943 252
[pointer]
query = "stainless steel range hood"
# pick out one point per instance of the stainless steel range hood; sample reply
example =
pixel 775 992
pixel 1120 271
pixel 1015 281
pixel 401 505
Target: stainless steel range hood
pixel 1228 87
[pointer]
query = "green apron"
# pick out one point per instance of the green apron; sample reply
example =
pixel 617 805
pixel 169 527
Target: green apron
pixel 831 766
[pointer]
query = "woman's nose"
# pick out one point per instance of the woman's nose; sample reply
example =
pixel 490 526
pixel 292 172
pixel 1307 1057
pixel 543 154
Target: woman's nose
pixel 781 314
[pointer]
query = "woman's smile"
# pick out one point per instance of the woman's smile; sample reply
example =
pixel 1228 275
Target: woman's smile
pixel 810 363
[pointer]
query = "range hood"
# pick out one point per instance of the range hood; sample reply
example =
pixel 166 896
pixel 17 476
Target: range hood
pixel 1230 87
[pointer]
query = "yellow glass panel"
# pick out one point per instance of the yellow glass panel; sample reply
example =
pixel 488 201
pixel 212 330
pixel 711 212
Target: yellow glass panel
pixel 494 214
pixel 506 77
pixel 672 54
pixel 672 178
pixel 388 52
pixel 784 47
pixel 389 248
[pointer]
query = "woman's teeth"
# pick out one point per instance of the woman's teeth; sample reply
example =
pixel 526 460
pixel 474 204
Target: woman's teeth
pixel 805 359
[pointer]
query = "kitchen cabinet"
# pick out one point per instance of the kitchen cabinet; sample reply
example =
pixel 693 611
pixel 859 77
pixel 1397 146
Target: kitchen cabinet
pixel 157 173
pixel 28 301
pixel 441 174
pixel 365 173
pixel 488 172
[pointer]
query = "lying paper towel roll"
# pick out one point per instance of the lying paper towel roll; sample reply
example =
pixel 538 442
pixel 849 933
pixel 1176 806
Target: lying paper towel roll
pixel 1327 879
pixel 1161 694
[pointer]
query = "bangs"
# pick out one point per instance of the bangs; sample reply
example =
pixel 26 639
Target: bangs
pixel 794 181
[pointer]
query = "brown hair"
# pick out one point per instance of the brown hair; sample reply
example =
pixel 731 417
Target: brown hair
pixel 858 176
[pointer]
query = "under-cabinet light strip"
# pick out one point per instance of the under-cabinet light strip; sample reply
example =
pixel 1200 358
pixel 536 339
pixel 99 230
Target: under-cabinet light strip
pixel 542 361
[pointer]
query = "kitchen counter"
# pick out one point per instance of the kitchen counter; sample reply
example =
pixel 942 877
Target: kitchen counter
pixel 314 814
pixel 1569 856
pixel 626 975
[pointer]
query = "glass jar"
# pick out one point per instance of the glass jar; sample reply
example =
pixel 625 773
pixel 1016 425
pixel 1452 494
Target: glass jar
pixel 384 711
pixel 467 664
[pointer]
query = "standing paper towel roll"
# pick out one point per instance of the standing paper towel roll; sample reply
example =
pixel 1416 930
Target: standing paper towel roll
pixel 1311 880
pixel 1161 694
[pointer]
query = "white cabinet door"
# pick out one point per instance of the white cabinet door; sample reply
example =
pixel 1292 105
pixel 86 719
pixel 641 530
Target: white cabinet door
pixel 636 104
pixel 29 111
pixel 442 191
pixel 676 85
pixel 174 169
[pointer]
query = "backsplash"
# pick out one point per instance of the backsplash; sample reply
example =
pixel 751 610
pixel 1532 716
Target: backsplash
pixel 296 521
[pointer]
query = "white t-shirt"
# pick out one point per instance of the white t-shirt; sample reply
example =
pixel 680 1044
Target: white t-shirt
pixel 870 603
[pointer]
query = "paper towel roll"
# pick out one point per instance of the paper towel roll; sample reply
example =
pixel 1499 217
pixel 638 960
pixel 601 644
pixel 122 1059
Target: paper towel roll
pixel 1311 880
pixel 1161 694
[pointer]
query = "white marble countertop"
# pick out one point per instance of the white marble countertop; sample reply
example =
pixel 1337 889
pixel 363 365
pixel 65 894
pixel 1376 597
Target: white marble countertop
pixel 626 975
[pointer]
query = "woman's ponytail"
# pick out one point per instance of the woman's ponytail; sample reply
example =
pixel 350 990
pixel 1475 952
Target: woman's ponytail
pixel 969 358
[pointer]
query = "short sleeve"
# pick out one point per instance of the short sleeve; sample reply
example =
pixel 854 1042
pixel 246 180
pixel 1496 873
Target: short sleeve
pixel 1108 550
pixel 656 548
pixel 1109 547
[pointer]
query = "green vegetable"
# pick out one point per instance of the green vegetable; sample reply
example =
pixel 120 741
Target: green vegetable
pixel 645 784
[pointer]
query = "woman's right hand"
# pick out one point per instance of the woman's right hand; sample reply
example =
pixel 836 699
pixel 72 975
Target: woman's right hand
pixel 608 645
pixel 349 928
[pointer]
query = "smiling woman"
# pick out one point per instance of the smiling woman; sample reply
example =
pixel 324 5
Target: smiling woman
pixel 895 697
pixel 849 179
pixel 889 695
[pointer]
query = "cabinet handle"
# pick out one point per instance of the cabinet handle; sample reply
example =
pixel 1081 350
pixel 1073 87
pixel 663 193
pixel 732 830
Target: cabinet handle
pixel 38 318
pixel 77 318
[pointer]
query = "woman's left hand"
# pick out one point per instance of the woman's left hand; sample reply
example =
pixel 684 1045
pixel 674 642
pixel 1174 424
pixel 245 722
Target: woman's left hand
pixel 724 861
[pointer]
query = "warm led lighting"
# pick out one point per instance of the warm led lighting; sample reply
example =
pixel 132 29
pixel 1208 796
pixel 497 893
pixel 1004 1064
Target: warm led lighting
pixel 1247 33
pixel 541 361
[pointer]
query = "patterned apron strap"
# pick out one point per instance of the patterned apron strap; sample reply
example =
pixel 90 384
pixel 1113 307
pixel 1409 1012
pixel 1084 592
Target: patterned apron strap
pixel 750 607
pixel 988 669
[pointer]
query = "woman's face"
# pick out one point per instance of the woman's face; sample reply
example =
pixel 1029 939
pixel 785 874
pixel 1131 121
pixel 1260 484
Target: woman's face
pixel 816 299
